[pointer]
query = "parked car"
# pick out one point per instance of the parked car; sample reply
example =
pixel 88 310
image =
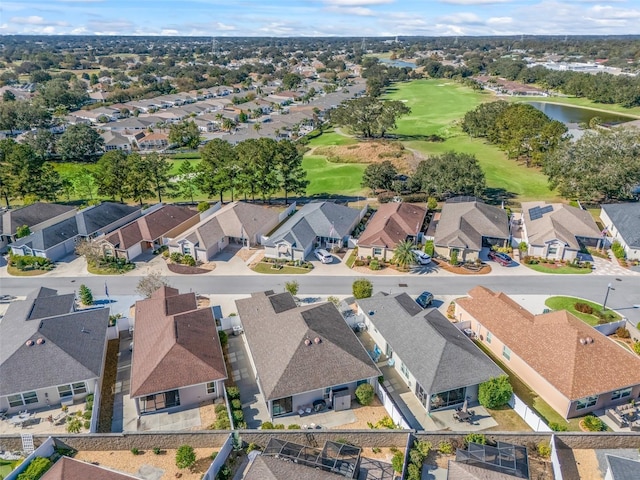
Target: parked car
pixel 421 257
pixel 323 255
pixel 424 299
pixel 501 258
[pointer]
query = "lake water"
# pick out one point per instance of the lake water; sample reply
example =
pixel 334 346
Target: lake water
pixel 569 114
pixel 397 63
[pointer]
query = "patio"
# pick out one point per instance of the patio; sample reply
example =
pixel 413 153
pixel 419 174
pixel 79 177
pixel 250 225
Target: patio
pixel 39 422
pixel 623 418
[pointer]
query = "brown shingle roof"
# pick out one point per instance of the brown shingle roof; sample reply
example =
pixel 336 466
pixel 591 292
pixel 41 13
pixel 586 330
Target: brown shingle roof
pixel 563 223
pixel 69 469
pixel 551 345
pixel 175 344
pixel 392 224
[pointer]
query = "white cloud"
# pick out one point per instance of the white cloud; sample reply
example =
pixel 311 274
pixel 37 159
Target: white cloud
pixel 356 3
pixel 499 21
pixel 473 2
pixel 463 18
pixel 36 20
pixel 359 11
pixel 223 27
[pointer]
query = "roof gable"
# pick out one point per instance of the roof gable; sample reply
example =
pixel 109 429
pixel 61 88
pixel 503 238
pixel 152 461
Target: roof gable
pixel 546 222
pixel 392 224
pixel 626 218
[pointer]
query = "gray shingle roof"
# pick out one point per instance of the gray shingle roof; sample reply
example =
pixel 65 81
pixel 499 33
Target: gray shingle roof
pixel 623 468
pixel 323 219
pixel 563 223
pixel 31 215
pixel 50 236
pixel 285 364
pixel 463 224
pixel 626 218
pixel 271 468
pixel 72 351
pixel 436 353
pixel 93 219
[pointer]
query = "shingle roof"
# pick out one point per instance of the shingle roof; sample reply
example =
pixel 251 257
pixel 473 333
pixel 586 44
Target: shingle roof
pixel 323 219
pixel 50 236
pixel 285 364
pixel 271 468
pixel 436 353
pixel 563 223
pixel 463 471
pixel 550 344
pixel 67 468
pixel 175 344
pixel 31 215
pixel 626 218
pixel 392 224
pixel 463 224
pixel 72 351
pixel 93 219
pixel 623 468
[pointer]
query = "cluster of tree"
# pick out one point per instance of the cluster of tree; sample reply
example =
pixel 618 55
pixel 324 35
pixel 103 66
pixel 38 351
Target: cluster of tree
pixel 369 116
pixel 523 131
pixel 441 176
pixel 601 165
pixel 184 134
pixel 379 76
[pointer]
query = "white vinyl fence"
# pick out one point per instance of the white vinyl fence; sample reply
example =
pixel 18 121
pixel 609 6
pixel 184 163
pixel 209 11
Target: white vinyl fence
pixel 528 415
pixel 555 460
pixel 218 462
pixel 390 406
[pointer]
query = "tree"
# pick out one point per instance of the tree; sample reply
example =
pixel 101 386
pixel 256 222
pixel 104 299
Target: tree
pixel 185 134
pixel 218 157
pixel 432 203
pixel 79 143
pixel 41 141
pixel 49 185
pixel 495 392
pixel 111 175
pixel 185 182
pixel 397 462
pixel 23 231
pixel 293 178
pixel 379 176
pixel 20 170
pixel 158 168
pixel 185 456
pixel 151 283
pixel 292 287
pixel 403 254
pixel 84 184
pixel 86 296
pixel 364 394
pixel 362 288
pixel 291 81
pixel 139 182
pixel 602 165
pixel 60 92
pixel 369 117
pixel 450 174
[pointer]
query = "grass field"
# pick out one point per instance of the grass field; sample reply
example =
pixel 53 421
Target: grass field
pixel 566 270
pixel 326 178
pixel 568 303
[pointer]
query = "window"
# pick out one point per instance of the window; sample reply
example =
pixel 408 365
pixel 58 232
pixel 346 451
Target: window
pixel 489 337
pixel 625 392
pixel 586 402
pixel 211 388
pixel 30 397
pixel 404 369
pixel 506 352
pixel 65 391
pixel 186 250
pixel 553 250
pixel 79 388
pixel 26 398
pixel 360 382
pixel 15 400
pixel 377 251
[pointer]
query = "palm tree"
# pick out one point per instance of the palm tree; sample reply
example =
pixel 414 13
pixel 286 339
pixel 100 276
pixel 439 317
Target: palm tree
pixel 403 254
pixel 257 127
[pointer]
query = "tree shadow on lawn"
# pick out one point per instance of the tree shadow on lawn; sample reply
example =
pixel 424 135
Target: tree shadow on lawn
pixel 410 138
pixel 496 196
pixel 336 198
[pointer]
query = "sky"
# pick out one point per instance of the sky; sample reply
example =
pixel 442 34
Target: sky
pixel 285 18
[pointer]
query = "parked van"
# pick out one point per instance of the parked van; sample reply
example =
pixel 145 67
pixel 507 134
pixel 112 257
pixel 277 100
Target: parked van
pixel 323 256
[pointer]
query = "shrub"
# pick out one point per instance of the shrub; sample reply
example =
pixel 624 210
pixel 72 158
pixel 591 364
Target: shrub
pixel 278 426
pixel 446 448
pixel 362 288
pixel 176 257
pixel 636 347
pixel 478 438
pixel 413 471
pixel 428 247
pixel 376 450
pixel 222 422
pixel 238 416
pixel 397 462
pixel 189 260
pixel 87 414
pixel 618 250
pixel 157 451
pixel 544 450
pixel 593 423
pixel 385 422
pixel 203 207
pixel 23 231
pixel 233 393
pixel 36 469
pixel 416 457
pixel 583 308
pixel 252 446
pixel 185 456
pixel 135 451
pixel 266 426
pixel 224 473
pixel 220 409
pixel 374 264
pixel 236 404
pixel 432 203
pixel 86 297
pixel 557 427
pixel 224 338
pixel 86 424
pixel 292 287
pixel 454 257
pixel 293 426
pixel 364 394
pixel 74 424
pixel 495 392
pixel 623 333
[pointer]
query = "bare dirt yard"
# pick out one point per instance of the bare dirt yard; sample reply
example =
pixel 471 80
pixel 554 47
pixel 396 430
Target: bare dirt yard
pixel 364 415
pixel 373 151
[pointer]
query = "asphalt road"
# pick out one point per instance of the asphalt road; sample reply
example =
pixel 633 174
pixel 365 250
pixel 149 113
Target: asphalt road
pixel 623 298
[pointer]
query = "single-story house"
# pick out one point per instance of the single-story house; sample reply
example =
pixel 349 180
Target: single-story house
pixel 390 225
pixel 58 240
pixel 570 364
pixel 67 468
pixel 504 461
pixel 467 225
pixel 35 216
pixel 115 141
pixel 556 230
pixel 307 354
pixel 152 141
pixel 148 232
pixel 431 355
pixel 237 222
pixel 49 352
pixel 177 357
pixel 315 225
pixel 622 222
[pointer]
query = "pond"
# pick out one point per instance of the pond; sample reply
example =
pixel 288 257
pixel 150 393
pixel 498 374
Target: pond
pixel 397 63
pixel 569 114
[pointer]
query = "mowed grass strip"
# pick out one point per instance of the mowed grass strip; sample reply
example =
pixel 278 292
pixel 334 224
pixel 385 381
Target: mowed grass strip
pixel 327 178
pixel 568 303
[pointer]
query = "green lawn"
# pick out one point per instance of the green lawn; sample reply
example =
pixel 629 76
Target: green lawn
pixel 568 303
pixel 566 270
pixel 531 398
pixel 327 178
pixel 285 270
pixel 330 137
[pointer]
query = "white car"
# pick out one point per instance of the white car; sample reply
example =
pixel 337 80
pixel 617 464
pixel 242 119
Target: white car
pixel 421 257
pixel 323 255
